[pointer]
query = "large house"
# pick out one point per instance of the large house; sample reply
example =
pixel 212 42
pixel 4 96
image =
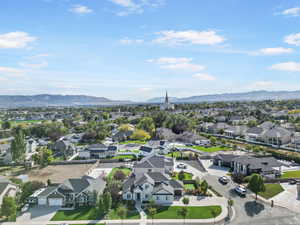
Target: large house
pixel 150 180
pixel 71 193
pixel 98 151
pixel 246 165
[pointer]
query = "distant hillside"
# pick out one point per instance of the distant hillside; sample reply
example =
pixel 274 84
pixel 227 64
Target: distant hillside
pixel 162 99
pixel 10 101
pixel 246 96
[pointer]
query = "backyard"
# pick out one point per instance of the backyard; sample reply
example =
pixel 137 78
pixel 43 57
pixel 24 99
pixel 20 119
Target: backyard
pixel 126 171
pixel 132 142
pixel 211 149
pixel 90 213
pixel 186 176
pixel 271 190
pixel 194 212
pixel 291 174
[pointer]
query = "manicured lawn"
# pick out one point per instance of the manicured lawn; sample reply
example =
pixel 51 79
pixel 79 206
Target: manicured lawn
pixel 291 174
pixel 211 149
pixel 126 171
pixel 187 176
pixel 189 187
pixel 90 213
pixel 178 154
pixel 271 190
pixel 194 212
pixel 124 157
pixel 133 142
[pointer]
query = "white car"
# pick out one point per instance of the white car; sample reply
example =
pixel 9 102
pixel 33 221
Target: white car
pixel 25 208
pixel 224 180
pixel 241 190
pixel 181 166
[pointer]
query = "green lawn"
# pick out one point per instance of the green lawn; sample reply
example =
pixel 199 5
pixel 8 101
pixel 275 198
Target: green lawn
pixel 178 154
pixel 291 174
pixel 90 213
pixel 187 176
pixel 189 187
pixel 211 149
pixel 126 171
pixel 271 190
pixel 124 157
pixel 194 212
pixel 133 142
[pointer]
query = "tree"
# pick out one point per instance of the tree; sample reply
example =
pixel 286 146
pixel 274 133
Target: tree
pixel 147 124
pixel 9 208
pixel 43 157
pixel 186 201
pixel 204 187
pixel 122 212
pixel 152 211
pixel 183 213
pixel 141 135
pixel 107 202
pixel 181 175
pixel 100 205
pixel 119 175
pixel 114 188
pixel 6 125
pixel 18 147
pixel 230 203
pixel 213 140
pixel 214 213
pixel 256 184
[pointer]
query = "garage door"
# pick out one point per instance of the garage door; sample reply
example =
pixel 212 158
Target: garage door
pixel 55 201
pixel 42 201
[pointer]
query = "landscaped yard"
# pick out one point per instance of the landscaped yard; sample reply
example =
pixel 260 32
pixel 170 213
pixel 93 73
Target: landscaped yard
pixel 194 212
pixel 271 190
pixel 211 149
pixel 126 171
pixel 133 151
pixel 187 176
pixel 90 213
pixel 190 187
pixel 124 157
pixel 291 174
pixel 133 142
pixel 178 154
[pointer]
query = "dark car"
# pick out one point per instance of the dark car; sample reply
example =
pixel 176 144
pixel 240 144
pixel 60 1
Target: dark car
pixel 293 181
pixel 224 180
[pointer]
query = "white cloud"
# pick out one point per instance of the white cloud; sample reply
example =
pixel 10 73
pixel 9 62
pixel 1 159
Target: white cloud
pixel 182 64
pixel 145 89
pixel 287 66
pixel 263 84
pixel 81 9
pixel 273 51
pixel 135 6
pixel 127 41
pixel 172 37
pixel 9 71
pixel 293 39
pixel 16 39
pixel 204 77
pixel 34 65
pixel 291 12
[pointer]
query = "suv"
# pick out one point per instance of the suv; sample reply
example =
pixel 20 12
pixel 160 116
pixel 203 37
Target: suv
pixel 241 190
pixel 224 180
pixel 181 166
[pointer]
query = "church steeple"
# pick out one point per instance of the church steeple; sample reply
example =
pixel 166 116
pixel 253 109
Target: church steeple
pixel 167 98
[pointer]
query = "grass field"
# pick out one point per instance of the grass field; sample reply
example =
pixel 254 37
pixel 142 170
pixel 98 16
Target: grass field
pixel 90 213
pixel 126 171
pixel 211 149
pixel 194 212
pixel 187 176
pixel 271 190
pixel 291 174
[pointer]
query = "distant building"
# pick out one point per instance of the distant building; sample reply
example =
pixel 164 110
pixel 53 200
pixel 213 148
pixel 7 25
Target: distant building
pixel 167 105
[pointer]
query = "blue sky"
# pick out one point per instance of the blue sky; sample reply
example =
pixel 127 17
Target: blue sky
pixel 137 49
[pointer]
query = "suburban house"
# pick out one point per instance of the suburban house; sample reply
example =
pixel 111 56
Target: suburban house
pixel 246 165
pixel 150 180
pixel 7 188
pixel 277 136
pixel 235 131
pixel 217 128
pixel 71 193
pixel 122 135
pixel 65 148
pixel 146 150
pixel 98 151
pixel 254 134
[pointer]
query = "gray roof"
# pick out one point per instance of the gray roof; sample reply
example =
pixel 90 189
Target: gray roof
pixel 47 191
pixel 277 132
pixel 225 157
pixel 154 161
pixel 255 130
pixel 264 163
pixel 163 187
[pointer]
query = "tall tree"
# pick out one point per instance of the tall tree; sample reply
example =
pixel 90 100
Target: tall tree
pixel 9 208
pixel 204 187
pixel 18 146
pixel 256 184
pixel 147 124
pixel 107 202
pixel 183 213
pixel 152 211
pixel 6 125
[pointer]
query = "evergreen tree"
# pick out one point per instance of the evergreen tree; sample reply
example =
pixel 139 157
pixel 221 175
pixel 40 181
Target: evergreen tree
pixel 256 184
pixel 9 208
pixel 107 202
pixel 18 147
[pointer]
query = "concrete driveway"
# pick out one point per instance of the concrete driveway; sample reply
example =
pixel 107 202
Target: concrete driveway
pixel 214 170
pixel 39 213
pixel 189 169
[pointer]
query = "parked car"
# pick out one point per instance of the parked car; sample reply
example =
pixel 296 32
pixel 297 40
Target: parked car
pixel 181 166
pixel 224 180
pixel 241 190
pixel 25 208
pixel 293 181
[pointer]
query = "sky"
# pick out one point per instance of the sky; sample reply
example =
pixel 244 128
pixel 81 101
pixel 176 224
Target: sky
pixel 138 49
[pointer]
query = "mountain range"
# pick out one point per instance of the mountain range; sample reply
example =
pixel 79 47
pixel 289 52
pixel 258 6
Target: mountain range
pixel 245 96
pixel 45 100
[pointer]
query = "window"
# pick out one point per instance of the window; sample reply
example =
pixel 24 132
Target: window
pixel 128 196
pixel 146 186
pixel 146 196
pixel 166 197
pixel 157 197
